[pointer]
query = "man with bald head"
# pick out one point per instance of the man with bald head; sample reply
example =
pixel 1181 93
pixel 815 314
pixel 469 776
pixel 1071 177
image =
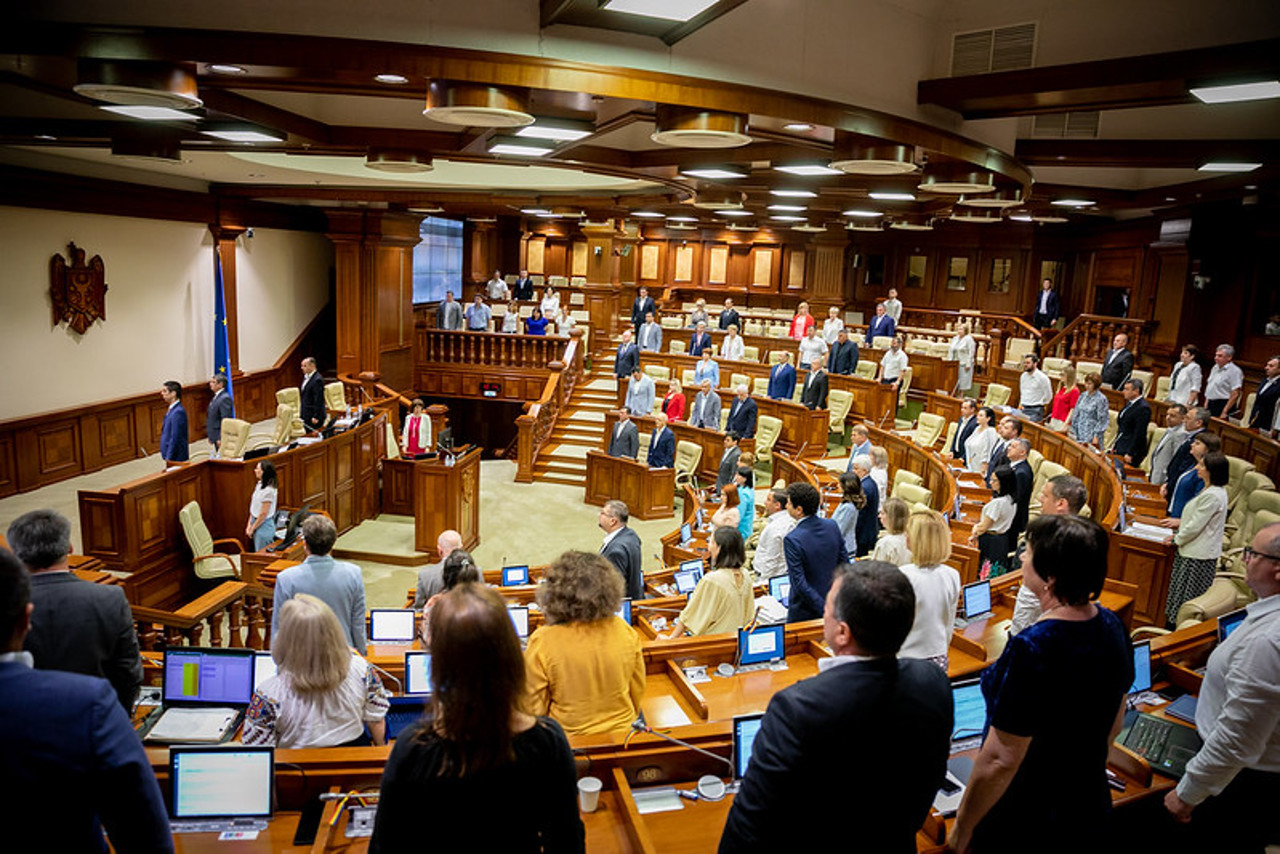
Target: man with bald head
pixel 431 577
pixel 662 445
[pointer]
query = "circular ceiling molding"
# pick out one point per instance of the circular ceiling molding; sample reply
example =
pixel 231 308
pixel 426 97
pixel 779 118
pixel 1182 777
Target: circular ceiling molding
pixel 1002 198
pixel 138 84
pixel 719 201
pixel 975 216
pixel 687 128
pixel 872 158
pixel 957 180
pixel 398 161
pixel 474 105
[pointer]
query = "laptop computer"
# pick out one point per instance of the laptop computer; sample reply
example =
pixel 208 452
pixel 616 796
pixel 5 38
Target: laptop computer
pixel 686 534
pixel 291 530
pixel 407 709
pixel 970 719
pixel 975 600
pixel 519 615
pixel 762 645
pixel 1141 668
pixel 204 696
pixel 514 576
pixel 780 589
pixel 220 788
pixel 1167 746
pixel 392 625
pixel 745 728
pixel 264 667
pixel 687 579
pixel 1229 622
pixel 625 611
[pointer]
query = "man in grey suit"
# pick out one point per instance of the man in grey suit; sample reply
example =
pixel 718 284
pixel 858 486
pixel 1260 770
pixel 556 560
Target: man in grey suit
pixel 1173 435
pixel 640 393
pixel 705 411
pixel 431 577
pixel 77 626
pixel 220 406
pixel 622 546
pixel 339 584
pixel 729 461
pixel 449 313
pixel 650 334
pixel 625 439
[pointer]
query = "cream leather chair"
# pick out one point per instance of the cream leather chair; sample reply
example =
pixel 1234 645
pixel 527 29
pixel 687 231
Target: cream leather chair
pixel 768 429
pixel 208 563
pixel 997 395
pixel 951 435
pixel 1254 483
pixel 752 327
pixel 839 402
pixel 1109 437
pixel 760 386
pixel 1048 471
pixel 1015 349
pixel 1083 369
pixel 1162 387
pixel 1235 483
pixel 235 438
pixel 677 347
pixel 292 398
pixel 736 380
pixel 904 385
pixel 928 429
pixel 642 452
pixel 1148 381
pixel 686 380
pixel 671 321
pixel 881 342
pixel 1248 407
pixel 1053 366
pixel 902 476
pixel 1035 459
pixel 335 397
pixel 658 373
pixel 1154 435
pixel 913 494
pixel 775 356
pixel 688 455
pixel 866 369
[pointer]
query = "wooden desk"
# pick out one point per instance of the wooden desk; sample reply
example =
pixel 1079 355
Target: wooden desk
pixel 873 402
pixel 648 493
pixel 439 497
pixel 711 441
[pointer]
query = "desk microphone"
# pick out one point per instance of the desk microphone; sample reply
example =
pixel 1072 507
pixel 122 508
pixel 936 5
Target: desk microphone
pixel 657 608
pixel 645 728
pixel 377 669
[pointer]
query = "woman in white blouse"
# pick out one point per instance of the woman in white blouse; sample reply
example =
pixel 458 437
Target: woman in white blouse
pixel 962 349
pixel 416 437
pixel 991 534
pixel 565 322
pixel 511 320
pixel 1199 535
pixel 880 469
pixel 978 447
pixel 550 304
pixel 892 545
pixel 1186 379
pixel 937 588
pixel 261 529
pixel 831 328
pixel 731 347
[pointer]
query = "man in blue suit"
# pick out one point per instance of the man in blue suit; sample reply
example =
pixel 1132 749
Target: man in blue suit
pixel 68 744
pixel 221 407
pixel 867 528
pixel 742 413
pixel 628 357
pixel 881 324
pixel 1048 306
pixel 782 379
pixel 662 445
pixel 173 433
pixel 813 550
pixel 700 341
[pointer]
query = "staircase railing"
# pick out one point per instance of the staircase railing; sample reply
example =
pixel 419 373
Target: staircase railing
pixel 534 426
pixel 186 625
pixel 1089 337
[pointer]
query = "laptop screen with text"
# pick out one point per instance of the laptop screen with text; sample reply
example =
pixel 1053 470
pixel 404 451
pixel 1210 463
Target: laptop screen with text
pixel 234 782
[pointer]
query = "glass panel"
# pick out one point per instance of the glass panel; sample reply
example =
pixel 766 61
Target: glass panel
pixel 1051 270
pixel 875 269
pixel 1001 270
pixel 958 273
pixel 437 260
pixel 915 271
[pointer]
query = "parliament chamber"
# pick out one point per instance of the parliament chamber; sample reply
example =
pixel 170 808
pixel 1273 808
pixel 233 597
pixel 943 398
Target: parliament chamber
pixel 405 195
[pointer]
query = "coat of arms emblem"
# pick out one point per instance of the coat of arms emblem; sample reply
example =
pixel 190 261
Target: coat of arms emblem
pixel 79 290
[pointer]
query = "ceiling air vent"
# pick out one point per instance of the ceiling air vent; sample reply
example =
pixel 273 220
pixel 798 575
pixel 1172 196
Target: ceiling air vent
pixel 1001 49
pixel 1080 125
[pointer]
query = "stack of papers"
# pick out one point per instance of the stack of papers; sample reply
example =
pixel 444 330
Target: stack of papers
pixel 185 726
pixel 1149 532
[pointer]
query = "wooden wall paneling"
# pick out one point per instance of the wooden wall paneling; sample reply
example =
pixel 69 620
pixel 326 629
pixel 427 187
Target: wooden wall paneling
pixel 313 465
pixel 650 261
pixel 536 255
pixel 113 434
pixel 764 267
pixel 1016 299
pixel 48 452
pixel 100 519
pixel 397 487
pixel 940 277
pixel 684 263
pixel 739 270
pixel 826 276
pixel 556 262
pixel 1146 564
pixel 347 261
pixel 8 465
pixel 903 278
pixel 718 265
pixel 579 255
pixel 797 261
pixel 1171 281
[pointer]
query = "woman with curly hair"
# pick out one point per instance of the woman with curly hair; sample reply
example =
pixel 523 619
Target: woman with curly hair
pixel 585 666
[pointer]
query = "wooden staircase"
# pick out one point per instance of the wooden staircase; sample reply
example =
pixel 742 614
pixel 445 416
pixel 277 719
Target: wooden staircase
pixel 579 427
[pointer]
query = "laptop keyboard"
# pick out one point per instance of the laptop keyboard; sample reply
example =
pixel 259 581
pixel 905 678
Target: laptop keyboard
pixel 398 719
pixel 217 825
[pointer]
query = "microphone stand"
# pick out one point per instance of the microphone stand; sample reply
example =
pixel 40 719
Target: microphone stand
pixel 645 728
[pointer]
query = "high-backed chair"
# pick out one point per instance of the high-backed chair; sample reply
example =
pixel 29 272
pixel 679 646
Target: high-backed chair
pixel 752 327
pixel 393 442
pixel 1035 459
pixel 235 438
pixel 881 342
pixel 688 455
pixel 1162 387
pixel 997 394
pixel 658 372
pixel 768 429
pixel 1053 366
pixel 207 562
pixel 1015 349
pixel 578 297
pixel 865 369
pixel 951 435
pixel 750 353
pixel 642 452
pixel 577 281
pixel 678 347
pixel 913 493
pixel 1259 509
pixel 1154 435
pixel 1148 381
pixel 1248 407
pixel 1048 471
pixel 1235 483
pixel 1109 437
pixel 928 429
pixel 335 397
pixel 292 398
pixel 671 321
pixel 902 476
pixel 1083 369
pixel 904 384
pixel 777 330
pixel 686 379
pixel 760 386
pixel 839 402
pixel 775 356
pixel 1237 520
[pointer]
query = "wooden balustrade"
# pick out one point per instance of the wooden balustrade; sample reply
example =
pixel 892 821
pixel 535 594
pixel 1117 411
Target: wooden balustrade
pixel 484 348
pixel 534 427
pixel 185 626
pixel 1089 337
pixel 1009 325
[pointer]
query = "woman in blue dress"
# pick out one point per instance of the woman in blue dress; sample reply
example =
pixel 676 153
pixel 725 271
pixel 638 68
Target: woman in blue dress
pixel 1055 701
pixel 536 324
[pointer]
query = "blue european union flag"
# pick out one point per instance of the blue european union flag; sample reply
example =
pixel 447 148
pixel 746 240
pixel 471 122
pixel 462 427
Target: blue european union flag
pixel 221 341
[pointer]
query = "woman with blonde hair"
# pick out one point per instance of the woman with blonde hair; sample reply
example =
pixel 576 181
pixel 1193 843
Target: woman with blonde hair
pixel 674 403
pixel 937 588
pixel 724 600
pixel 1064 402
pixel 323 692
pixel 892 545
pixel 475 739
pixel 880 469
pixel 962 349
pixel 585 667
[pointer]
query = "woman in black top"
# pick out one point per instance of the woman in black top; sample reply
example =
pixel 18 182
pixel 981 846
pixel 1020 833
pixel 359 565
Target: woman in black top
pixel 477 773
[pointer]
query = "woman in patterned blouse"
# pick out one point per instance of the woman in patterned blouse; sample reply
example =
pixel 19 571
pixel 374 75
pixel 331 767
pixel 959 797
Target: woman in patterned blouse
pixel 1091 417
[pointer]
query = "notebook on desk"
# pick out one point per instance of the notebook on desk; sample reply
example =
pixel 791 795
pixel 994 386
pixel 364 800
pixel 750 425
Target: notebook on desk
pixel 220 788
pixel 205 694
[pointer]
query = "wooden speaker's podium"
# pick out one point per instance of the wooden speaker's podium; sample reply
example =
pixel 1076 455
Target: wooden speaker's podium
pixel 648 493
pixel 439 494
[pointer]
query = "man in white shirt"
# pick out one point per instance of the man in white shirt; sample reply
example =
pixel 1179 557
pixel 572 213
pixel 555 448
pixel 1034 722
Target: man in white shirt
pixel 770 560
pixel 1229 790
pixel 640 393
pixel 833 325
pixel 1174 433
pixel 1222 389
pixel 893 363
pixel 1035 388
pixel 812 346
pixel 893 307
pixel 705 412
pixel 650 335
pixel 496 288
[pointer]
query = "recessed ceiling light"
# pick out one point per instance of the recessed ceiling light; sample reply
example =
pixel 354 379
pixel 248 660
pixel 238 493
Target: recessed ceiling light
pixel 798 127
pixel 668 10
pixel 1227 166
pixel 734 212
pixel 681 226
pixel 893 197
pixel 1021 217
pixel 647 214
pixel 226 69
pixel 1238 92
pixel 808 170
pixel 1251 186
pixel 733 226
pixel 1049 219
pixel 906 225
pixel 45 137
pixel 519 147
pixel 245 135
pixel 862 213
pixel 794 194
pixel 548 215
pixel 1170 199
pixel 713 173
pixel 682 219
pixel 786 207
pixel 976 216
pixel 857 226
pixel 1073 203
pixel 561 130
pixel 149 114
pixel 391 79
pixel 535 211
pixel 807 227
pixel 787 218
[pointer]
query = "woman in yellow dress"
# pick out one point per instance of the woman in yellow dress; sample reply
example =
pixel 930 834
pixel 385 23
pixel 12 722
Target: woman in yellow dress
pixel 724 600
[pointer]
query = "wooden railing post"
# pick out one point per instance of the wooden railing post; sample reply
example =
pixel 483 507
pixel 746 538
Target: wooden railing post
pixel 524 445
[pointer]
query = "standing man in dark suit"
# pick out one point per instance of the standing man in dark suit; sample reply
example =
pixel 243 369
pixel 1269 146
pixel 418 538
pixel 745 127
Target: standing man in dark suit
pixel 625 439
pixel 782 379
pixel 1196 421
pixel 69 746
pixel 1007 430
pixel 742 413
pixel 728 461
pixel 1047 306
pixel 220 406
pixel 627 358
pixel 643 305
pixel 1131 424
pixel 1264 404
pixel 881 325
pixel 173 431
pixel 729 315
pixel 964 429
pixel 814 393
pixel 622 547
pixel 313 414
pixel 1018 451
pixel 524 287
pixel 867 529
pixel 701 339
pixel 843 358
pixel 813 550
pixel 866 709
pixel 705 411
pixel 78 626
pixel 1118 363
pixel 662 444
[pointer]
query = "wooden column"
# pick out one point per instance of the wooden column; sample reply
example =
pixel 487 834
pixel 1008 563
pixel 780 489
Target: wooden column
pixel 224 241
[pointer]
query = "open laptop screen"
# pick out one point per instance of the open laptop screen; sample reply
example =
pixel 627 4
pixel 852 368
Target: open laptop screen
pixel 970 709
pixel 1229 622
pixel 625 611
pixel 1141 667
pixel 686 580
pixel 219 782
pixel 417 673
pixel 391 625
pixel 977 599
pixel 745 728
pixel 686 533
pixel 520 619
pixel 513 576
pixel 213 677
pixel 264 667
pixel 780 589
pixel 760 645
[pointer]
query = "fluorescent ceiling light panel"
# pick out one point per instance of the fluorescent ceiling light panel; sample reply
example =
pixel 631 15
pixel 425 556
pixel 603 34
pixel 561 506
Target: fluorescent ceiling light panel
pixel 786 207
pixel 535 211
pixel 150 114
pixel 1225 166
pixel 391 79
pixel 561 131
pixel 893 197
pixel 787 218
pixel 798 127
pixel 226 69
pixel 1238 92
pixel 794 194
pixel 519 147
pixel 682 219
pixel 737 212
pixel 668 10
pixel 244 135
pixel 647 214
pixel 808 170
pixel 713 173
pixel 1073 203
pixel 862 213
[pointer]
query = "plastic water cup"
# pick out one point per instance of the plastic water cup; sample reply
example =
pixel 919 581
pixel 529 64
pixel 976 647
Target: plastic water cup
pixel 589 793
